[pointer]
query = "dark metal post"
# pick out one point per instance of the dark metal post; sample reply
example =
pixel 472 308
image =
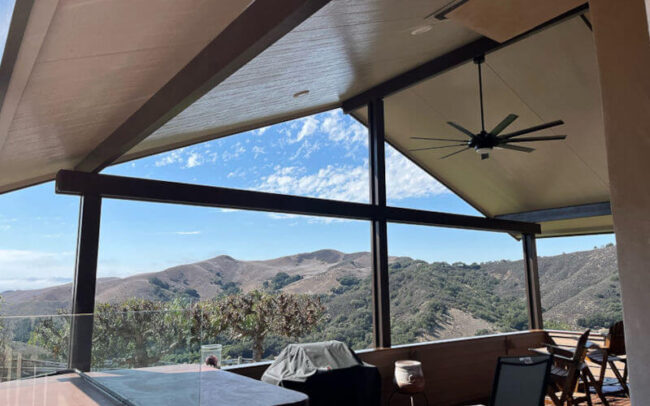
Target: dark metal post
pixel 379 237
pixel 533 295
pixel 85 278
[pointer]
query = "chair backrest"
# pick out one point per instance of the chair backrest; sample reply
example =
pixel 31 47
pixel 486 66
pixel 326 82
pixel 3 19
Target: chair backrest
pixel 616 339
pixel 581 350
pixel 521 381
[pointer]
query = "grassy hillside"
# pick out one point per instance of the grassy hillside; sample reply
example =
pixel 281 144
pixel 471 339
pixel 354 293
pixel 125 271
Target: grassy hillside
pixel 428 300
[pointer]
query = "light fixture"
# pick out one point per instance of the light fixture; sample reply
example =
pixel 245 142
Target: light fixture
pixel 484 152
pixel 421 29
pixel 301 93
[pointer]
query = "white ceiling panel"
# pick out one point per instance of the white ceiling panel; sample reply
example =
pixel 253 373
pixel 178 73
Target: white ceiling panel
pixel 343 49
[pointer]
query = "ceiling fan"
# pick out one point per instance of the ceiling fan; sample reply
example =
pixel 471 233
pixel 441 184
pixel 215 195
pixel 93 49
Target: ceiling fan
pixel 484 142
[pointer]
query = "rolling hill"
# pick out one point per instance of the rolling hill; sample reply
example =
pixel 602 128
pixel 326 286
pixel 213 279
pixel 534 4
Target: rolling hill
pixel 442 299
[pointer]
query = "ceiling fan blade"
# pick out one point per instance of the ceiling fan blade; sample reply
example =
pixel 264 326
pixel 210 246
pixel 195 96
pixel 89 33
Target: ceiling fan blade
pixel 444 146
pixel 503 124
pixel 454 153
pixel 515 148
pixel 436 139
pixel 532 129
pixel 461 129
pixel 545 138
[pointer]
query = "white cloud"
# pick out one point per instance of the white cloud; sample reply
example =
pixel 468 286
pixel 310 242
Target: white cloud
pixel 26 269
pixel 31 283
pixel 187 157
pixel 260 130
pixel 187 232
pixel 338 130
pixel 258 151
pixel 236 151
pixel 339 183
pixel 305 150
pixel 171 157
pixel 238 173
pixel 195 159
pixel 350 183
pixel 309 126
pixel 405 180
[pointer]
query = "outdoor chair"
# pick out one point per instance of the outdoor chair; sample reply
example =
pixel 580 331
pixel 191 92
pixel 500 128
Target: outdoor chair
pixel 612 352
pixel 569 367
pixel 520 381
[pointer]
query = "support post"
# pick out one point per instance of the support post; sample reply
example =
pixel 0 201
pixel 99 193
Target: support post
pixel 533 295
pixel 85 278
pixel 622 35
pixel 379 235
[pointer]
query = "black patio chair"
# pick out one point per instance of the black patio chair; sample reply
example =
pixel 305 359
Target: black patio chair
pixel 521 381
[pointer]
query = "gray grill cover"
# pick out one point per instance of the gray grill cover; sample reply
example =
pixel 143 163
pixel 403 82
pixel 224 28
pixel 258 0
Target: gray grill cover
pixel 329 372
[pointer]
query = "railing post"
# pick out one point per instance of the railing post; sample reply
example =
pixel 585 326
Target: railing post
pixel 379 237
pixel 533 295
pixel 85 278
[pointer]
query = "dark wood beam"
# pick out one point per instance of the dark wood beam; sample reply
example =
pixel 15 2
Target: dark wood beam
pixel 423 217
pixel 533 295
pixel 119 187
pixel 561 213
pixel 425 71
pixel 19 19
pixel 85 279
pixel 378 226
pixel 253 31
pixel 446 62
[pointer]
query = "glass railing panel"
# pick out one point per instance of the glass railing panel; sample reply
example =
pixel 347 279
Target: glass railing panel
pixel 33 346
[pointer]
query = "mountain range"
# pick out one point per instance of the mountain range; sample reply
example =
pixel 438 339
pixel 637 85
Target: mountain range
pixel 577 287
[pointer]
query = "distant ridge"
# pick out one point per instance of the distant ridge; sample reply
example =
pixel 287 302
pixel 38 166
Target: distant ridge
pixel 573 285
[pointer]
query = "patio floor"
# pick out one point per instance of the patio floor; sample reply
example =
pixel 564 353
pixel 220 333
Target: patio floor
pixel 613 401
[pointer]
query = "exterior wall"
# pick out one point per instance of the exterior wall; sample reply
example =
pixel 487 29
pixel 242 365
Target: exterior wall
pixel 623 47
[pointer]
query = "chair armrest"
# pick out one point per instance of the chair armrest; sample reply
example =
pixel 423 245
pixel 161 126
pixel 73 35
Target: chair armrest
pixel 557 351
pixel 563 361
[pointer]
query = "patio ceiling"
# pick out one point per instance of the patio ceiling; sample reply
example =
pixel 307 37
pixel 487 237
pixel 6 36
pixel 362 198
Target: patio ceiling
pixel 548 76
pixel 85 70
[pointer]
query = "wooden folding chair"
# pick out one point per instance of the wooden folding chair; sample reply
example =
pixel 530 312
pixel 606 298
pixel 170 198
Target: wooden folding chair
pixel 611 353
pixel 568 369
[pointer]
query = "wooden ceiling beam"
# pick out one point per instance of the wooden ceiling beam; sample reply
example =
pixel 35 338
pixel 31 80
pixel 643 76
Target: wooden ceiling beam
pixel 260 25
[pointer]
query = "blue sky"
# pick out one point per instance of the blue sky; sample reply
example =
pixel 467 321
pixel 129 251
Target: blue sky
pixel 323 156
pixel 6 10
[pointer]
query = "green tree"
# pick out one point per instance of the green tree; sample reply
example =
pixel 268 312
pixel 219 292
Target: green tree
pixel 4 336
pixel 257 314
pixel 134 333
pixel 280 280
pixel 139 333
pixel 52 333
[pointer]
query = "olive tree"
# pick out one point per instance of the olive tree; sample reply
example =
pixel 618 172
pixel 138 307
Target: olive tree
pixel 138 333
pixel 257 314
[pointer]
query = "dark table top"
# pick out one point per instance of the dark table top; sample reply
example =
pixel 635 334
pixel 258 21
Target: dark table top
pixel 185 385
